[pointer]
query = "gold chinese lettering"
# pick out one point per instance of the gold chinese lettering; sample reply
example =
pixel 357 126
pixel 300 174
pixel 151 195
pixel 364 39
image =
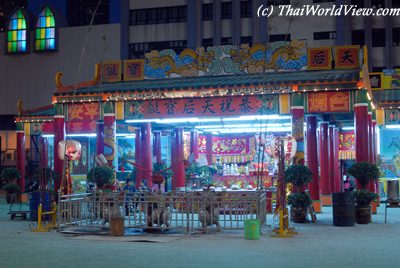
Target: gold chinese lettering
pixel 318 103
pixel 75 112
pixel 76 126
pixel 339 102
pixel 92 110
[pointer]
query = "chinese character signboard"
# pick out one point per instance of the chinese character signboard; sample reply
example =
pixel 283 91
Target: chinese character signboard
pixel 202 107
pixel 111 71
pixel 320 102
pixel 375 80
pixel 133 70
pixel 82 117
pixel 319 58
pixel 347 57
pixel 226 145
pixel 392 117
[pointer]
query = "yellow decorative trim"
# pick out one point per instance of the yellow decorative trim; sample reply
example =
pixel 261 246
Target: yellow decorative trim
pixel 347 155
pixel 119 110
pixel 284 104
pixel 380 117
pixel 27 129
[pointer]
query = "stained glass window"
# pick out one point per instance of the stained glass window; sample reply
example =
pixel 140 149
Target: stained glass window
pixel 45 31
pixel 16 35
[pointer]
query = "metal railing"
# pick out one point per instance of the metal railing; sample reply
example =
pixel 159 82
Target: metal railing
pixel 188 212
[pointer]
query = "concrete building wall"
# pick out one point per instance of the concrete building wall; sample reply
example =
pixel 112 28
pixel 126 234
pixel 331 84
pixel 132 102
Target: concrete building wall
pixel 30 77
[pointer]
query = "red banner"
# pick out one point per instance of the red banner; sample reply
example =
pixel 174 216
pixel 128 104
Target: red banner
pixel 202 107
pixel 226 145
pixel 347 145
pixel 82 118
pixel 328 102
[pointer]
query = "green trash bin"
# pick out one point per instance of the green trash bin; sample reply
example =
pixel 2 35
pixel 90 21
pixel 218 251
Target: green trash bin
pixel 252 229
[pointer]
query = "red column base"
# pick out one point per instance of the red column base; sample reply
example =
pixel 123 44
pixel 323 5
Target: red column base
pixel 374 207
pixel 326 200
pixel 317 204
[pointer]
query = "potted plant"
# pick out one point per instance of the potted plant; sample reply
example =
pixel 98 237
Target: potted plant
pixel 364 172
pixel 299 203
pixel 9 175
pixel 13 193
pixel 298 176
pixel 102 176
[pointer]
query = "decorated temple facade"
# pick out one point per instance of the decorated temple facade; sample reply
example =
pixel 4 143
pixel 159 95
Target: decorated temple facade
pixel 216 105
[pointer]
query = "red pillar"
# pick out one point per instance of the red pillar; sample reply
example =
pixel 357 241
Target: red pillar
pixel 59 135
pixel 323 159
pixel 157 145
pixel 138 157
pixel 21 154
pixel 194 148
pixel 209 148
pixel 336 167
pixel 173 160
pixel 147 162
pixel 372 187
pixel 312 156
pixel 178 157
pixel 374 146
pixel 110 139
pixel 100 137
pixel 331 158
pixel 361 132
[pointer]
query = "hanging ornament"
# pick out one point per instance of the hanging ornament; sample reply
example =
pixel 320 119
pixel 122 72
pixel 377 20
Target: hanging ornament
pixel 289 145
pixel 69 148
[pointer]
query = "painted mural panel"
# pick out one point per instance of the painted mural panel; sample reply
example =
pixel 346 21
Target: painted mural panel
pixel 202 107
pixel 390 153
pixel 392 117
pixel 41 128
pixel 283 56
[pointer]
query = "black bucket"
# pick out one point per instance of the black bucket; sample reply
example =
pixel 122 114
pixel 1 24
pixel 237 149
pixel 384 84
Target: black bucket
pixel 343 209
pixel 36 198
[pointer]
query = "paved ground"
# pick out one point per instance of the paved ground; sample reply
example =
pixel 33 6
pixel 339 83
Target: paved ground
pixel 316 245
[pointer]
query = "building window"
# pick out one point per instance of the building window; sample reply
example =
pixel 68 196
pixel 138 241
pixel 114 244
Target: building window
pixel 324 35
pixel 226 10
pixel 45 31
pixel 378 3
pixel 16 35
pixel 358 37
pixel 378 37
pixel 396 37
pixel 323 1
pixel 246 40
pixel 208 11
pixel 378 69
pixel 6 7
pixel 278 2
pixel 358 3
pixel 226 41
pixel 279 37
pixel 246 9
pixel 158 15
pixel 137 50
pixel 208 42
pixel 80 13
